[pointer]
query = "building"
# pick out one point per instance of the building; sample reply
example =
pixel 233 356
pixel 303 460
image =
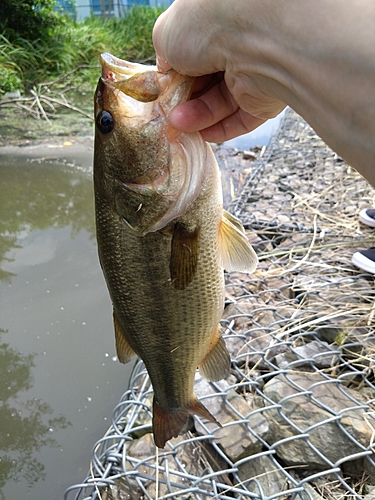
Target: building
pixel 80 9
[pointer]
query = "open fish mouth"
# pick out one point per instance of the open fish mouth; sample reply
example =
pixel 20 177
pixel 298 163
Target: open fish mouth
pixel 135 80
pixel 121 68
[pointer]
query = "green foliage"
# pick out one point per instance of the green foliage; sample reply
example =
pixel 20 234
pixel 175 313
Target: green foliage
pixel 74 44
pixel 30 19
pixel 9 80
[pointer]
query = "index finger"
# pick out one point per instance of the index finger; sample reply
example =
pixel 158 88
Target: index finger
pixel 204 111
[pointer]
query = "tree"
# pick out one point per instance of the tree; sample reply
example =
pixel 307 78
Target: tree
pixel 30 19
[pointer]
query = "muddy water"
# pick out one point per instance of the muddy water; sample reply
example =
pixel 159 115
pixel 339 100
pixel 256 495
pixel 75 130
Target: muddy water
pixel 60 378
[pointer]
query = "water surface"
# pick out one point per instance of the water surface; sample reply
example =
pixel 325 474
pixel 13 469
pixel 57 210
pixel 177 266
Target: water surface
pixel 60 378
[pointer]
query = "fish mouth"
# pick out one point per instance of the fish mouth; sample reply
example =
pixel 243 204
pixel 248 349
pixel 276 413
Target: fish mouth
pixel 135 80
pixel 145 83
pixel 114 68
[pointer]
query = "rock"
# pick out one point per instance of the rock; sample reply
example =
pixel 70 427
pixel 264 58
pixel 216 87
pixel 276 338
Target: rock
pixel 263 475
pixel 141 454
pixel 312 493
pixel 16 94
pixel 308 409
pixel 328 333
pixel 317 353
pixel 235 440
pixel 326 288
pixel 143 419
pixel 251 343
pixel 249 155
pixel 250 313
pixel 370 495
pixel 283 360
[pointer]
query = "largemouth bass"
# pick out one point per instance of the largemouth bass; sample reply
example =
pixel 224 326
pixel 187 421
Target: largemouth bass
pixel 163 237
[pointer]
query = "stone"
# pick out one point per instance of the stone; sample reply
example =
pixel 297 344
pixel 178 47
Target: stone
pixel 249 155
pixel 141 455
pixel 370 495
pixel 320 352
pixel 248 340
pixel 312 493
pixel 235 440
pixel 262 474
pixel 317 353
pixel 327 287
pixel 143 419
pixel 306 407
pixel 328 333
pixel 360 468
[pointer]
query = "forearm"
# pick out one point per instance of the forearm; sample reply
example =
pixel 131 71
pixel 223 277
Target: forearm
pixel 319 58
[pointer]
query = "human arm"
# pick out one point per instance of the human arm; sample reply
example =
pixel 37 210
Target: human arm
pixel 316 56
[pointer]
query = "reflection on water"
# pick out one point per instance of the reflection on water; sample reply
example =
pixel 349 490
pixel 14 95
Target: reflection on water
pixel 60 378
pixel 35 197
pixel 24 427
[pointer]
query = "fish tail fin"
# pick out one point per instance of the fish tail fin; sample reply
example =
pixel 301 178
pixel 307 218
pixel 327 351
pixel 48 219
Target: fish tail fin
pixel 169 423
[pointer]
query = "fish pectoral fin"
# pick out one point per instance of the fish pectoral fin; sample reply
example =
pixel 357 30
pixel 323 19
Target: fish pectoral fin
pixel 184 256
pixel 216 363
pixel 168 423
pixel 124 351
pixel 235 252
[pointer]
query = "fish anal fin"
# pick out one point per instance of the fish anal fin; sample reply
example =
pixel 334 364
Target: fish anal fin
pixel 168 423
pixel 235 251
pixel 124 351
pixel 184 256
pixel 216 363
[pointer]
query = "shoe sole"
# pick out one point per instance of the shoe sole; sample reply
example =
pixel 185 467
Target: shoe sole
pixel 365 219
pixel 363 263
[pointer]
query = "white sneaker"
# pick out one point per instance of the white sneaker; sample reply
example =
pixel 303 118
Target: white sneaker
pixel 365 259
pixel 367 216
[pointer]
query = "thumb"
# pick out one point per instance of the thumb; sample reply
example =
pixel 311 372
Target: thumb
pixel 159 38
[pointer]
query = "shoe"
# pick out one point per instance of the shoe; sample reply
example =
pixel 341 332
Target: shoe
pixel 367 216
pixel 365 259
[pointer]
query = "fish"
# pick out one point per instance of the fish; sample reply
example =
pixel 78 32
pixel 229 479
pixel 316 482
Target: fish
pixel 163 238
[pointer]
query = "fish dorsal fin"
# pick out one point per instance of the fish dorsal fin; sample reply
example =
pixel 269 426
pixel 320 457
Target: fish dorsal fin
pixel 124 351
pixel 216 363
pixel 235 252
pixel 184 256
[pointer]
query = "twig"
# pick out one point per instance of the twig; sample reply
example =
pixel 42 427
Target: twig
pixel 67 105
pixel 4 102
pixel 279 253
pixel 29 109
pixel 61 78
pixel 40 106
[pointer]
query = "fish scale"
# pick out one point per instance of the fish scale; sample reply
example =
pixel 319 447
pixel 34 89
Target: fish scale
pixel 163 238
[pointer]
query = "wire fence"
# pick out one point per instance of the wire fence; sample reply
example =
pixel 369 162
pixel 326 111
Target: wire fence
pixel 298 409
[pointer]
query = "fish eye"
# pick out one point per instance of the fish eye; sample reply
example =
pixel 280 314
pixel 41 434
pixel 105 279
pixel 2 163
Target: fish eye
pixel 105 122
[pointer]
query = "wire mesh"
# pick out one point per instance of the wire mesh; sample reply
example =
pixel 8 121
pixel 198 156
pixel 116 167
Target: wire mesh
pixel 297 411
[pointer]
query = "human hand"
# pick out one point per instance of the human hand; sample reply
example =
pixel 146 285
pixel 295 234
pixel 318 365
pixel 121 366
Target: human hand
pixel 201 39
pixel 252 56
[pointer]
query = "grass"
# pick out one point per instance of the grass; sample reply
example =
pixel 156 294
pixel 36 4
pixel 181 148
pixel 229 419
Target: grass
pixel 61 75
pixel 78 44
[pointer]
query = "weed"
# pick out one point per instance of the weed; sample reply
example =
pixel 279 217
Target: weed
pixel 81 43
